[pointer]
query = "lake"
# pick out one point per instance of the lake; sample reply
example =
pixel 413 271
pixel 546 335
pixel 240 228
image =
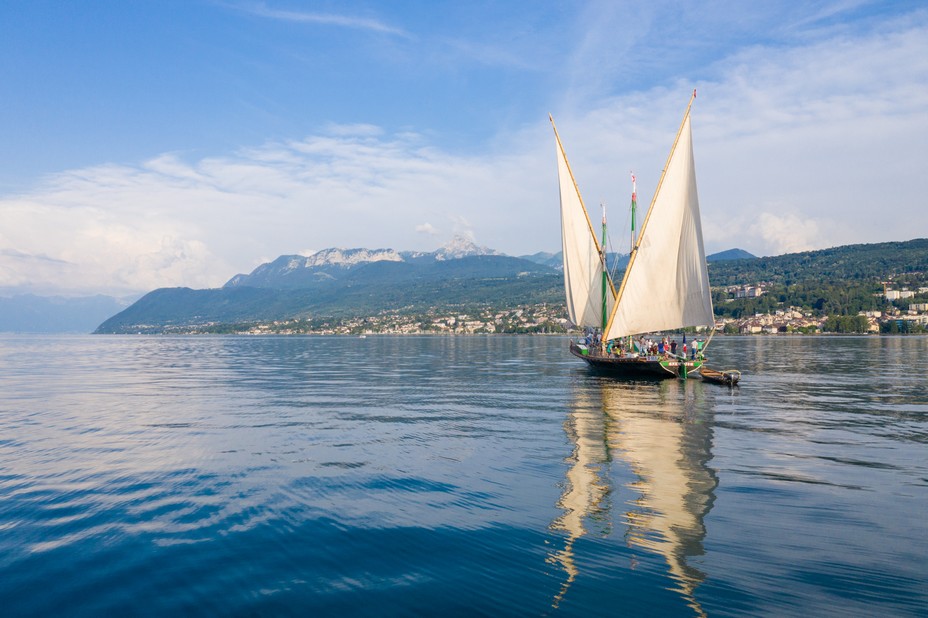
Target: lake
pixel 459 476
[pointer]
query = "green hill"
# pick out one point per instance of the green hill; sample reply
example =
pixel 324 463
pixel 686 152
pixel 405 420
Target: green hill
pixel 847 263
pixel 731 254
pixel 837 281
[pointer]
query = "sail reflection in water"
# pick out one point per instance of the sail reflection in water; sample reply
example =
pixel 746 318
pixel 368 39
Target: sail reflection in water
pixel 661 433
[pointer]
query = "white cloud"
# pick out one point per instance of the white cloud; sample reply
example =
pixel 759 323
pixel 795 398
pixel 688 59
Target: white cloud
pixel 427 228
pixel 460 226
pixel 168 222
pixel 831 132
pixel 787 233
pixel 60 244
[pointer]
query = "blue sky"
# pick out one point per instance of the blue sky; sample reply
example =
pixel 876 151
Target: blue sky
pixel 151 144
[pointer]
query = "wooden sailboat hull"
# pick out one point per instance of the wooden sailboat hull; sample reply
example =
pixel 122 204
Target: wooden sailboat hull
pixel 637 367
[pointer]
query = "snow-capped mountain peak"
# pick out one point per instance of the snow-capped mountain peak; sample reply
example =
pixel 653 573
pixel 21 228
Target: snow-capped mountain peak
pixel 351 257
pixel 462 246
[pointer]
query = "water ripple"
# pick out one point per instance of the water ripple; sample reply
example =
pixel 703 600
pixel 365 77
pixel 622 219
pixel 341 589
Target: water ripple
pixel 474 475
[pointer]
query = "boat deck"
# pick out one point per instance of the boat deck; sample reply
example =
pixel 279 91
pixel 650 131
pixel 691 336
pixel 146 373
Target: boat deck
pixel 660 366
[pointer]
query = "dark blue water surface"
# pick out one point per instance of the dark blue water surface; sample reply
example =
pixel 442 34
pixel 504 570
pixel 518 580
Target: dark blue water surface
pixel 458 476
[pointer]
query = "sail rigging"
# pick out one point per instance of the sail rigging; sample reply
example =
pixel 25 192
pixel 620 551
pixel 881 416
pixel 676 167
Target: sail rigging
pixel 584 258
pixel 666 282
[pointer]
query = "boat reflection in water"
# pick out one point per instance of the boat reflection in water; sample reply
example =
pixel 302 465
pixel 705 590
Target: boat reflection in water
pixel 662 432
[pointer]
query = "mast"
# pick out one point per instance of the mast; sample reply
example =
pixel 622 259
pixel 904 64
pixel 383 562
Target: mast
pixel 605 276
pixel 631 245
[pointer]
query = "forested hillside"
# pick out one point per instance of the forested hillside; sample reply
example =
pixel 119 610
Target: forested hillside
pixel 840 281
pixel 874 262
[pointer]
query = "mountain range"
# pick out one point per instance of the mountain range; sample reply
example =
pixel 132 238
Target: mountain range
pixel 328 265
pixel 348 282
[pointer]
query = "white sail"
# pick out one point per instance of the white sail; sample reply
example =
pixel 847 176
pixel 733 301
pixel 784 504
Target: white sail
pixel 666 285
pixel 583 265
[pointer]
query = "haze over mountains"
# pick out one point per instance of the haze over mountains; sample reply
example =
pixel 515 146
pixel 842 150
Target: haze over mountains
pixel 28 313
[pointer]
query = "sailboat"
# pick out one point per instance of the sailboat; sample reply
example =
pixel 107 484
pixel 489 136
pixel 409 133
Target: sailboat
pixel 666 283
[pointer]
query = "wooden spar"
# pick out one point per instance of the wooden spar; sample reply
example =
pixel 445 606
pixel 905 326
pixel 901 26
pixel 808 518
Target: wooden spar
pixel 711 335
pixel 644 224
pixel 600 249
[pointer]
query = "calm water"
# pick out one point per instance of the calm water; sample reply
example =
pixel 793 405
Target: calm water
pixel 458 476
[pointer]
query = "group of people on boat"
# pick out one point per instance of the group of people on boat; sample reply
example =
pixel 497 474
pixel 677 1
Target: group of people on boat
pixel 645 346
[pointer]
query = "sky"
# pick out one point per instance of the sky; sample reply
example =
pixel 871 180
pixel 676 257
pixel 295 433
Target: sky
pixel 180 142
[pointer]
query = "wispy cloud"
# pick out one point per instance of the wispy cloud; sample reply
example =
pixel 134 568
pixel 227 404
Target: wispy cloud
pixel 324 19
pixel 29 257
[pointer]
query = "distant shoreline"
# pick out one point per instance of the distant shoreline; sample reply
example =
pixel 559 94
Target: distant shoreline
pixel 433 334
